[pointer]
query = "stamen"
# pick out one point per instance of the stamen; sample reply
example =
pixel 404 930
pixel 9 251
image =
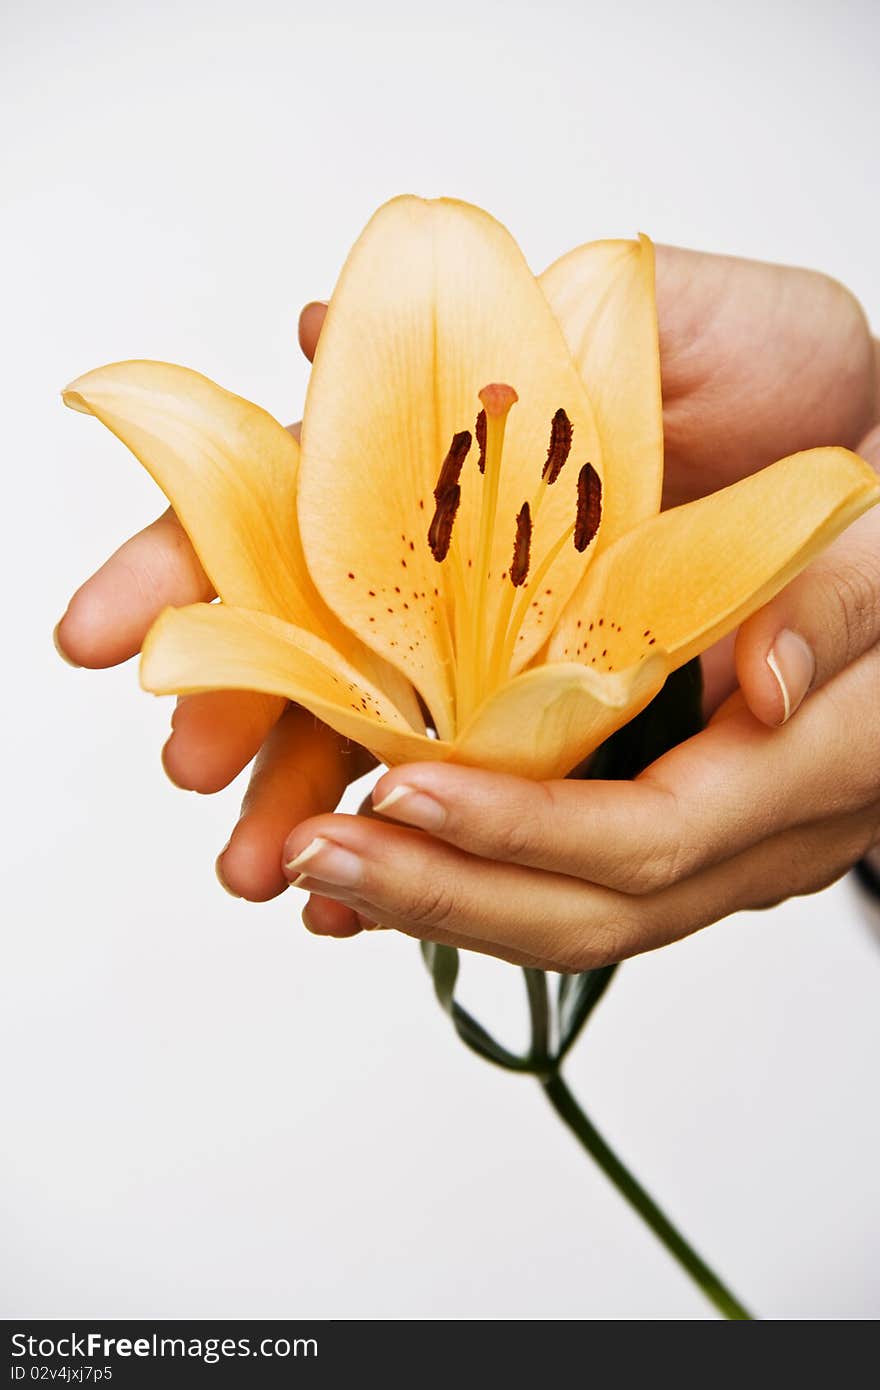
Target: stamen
pixel 447 495
pixel 480 431
pixel 519 567
pixel 440 530
pixel 589 507
pixel 560 447
pixel 453 463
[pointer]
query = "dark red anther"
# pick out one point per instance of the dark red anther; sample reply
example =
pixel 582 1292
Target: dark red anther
pixel 453 463
pixel 440 530
pixel 447 495
pixel 480 431
pixel 589 507
pixel 561 431
pixel 519 566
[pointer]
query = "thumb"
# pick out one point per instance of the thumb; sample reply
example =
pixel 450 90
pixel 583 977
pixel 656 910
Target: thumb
pixel 825 619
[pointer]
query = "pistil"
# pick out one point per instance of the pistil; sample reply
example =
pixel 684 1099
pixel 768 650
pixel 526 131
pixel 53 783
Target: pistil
pixel 497 401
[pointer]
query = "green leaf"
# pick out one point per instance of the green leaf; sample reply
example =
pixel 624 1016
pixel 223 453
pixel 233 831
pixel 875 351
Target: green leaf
pixel 539 1013
pixel 443 964
pixel 442 961
pixel 577 1001
pixel 474 1035
pixel 566 984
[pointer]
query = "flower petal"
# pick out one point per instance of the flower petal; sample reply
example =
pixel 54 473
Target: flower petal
pixel 215 647
pixel 603 297
pixel 545 721
pixel 230 472
pixel 686 577
pixel 434 303
pixel 227 467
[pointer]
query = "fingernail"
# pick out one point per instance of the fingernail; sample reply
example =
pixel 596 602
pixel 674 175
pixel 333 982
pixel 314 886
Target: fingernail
pixel 793 664
pixel 218 870
pixel 328 862
pixel 60 650
pixel 413 806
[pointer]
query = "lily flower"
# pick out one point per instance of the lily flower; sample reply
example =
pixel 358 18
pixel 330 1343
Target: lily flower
pixel 465 557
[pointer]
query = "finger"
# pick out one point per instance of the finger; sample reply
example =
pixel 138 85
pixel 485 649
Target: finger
pixel 719 674
pixel 758 361
pixel 324 917
pixel 109 616
pixel 429 890
pixel 451 906
pixel 708 799
pixel 828 617
pixel 311 321
pixel 302 770
pixel 215 735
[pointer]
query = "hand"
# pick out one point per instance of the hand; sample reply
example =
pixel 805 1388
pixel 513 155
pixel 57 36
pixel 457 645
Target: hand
pixel 736 399
pixel 572 875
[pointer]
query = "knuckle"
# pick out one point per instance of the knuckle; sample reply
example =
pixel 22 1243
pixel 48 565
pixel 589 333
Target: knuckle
pixel 604 943
pixel 660 868
pixel 428 905
pixel 514 838
pixel 670 855
pixel 519 835
pixel 854 599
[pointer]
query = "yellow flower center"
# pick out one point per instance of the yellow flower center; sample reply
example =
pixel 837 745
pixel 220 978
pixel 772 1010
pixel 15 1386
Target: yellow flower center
pixel 481 664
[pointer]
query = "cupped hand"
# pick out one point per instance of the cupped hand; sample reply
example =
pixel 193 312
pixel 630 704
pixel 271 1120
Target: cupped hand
pixel 570 875
pixel 758 361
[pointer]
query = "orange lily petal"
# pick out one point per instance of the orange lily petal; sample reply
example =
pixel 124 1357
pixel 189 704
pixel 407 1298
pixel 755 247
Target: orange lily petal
pixel 230 472
pixel 227 467
pixel 686 577
pixel 603 297
pixel 547 720
pixel 434 303
pixel 215 647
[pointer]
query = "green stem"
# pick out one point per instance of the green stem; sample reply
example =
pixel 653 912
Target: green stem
pixel 567 1108
pixel 539 1013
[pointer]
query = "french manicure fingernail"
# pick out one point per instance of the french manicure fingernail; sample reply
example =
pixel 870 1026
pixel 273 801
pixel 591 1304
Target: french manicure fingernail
pixel 793 664
pixel 60 650
pixel 413 806
pixel 328 862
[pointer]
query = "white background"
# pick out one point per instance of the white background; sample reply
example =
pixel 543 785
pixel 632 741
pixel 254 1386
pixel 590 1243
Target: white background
pixel 209 1112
